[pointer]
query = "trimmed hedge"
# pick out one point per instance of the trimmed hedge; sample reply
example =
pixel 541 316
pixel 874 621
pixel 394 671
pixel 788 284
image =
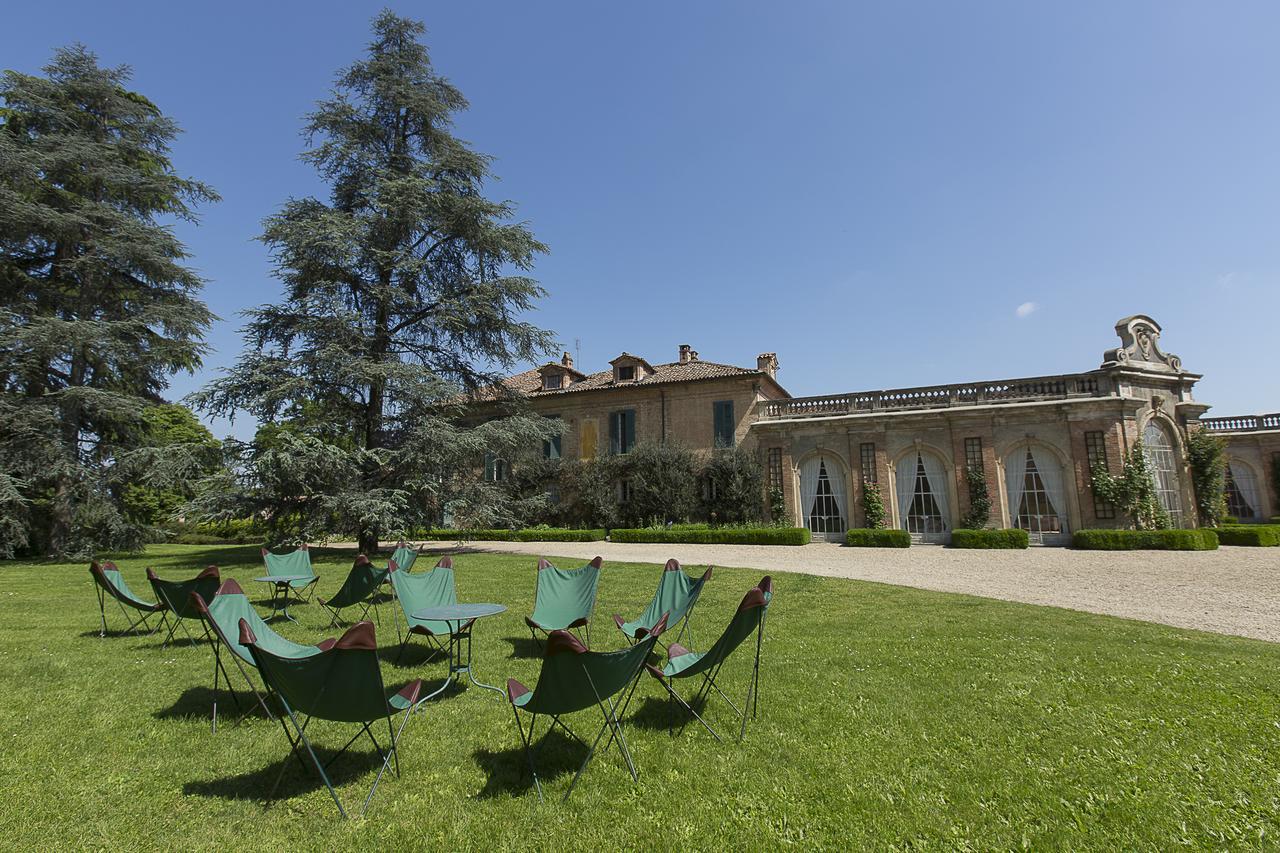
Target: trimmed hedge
pixel 715 535
pixel 530 535
pixel 1250 535
pixel 1007 538
pixel 1203 539
pixel 868 537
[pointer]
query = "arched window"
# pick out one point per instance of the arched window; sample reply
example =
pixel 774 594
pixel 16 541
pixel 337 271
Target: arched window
pixel 1037 503
pixel 822 496
pixel 922 494
pixel 1242 491
pixel 1164 470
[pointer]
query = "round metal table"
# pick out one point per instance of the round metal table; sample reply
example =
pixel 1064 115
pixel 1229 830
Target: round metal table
pixel 459 618
pixel 280 586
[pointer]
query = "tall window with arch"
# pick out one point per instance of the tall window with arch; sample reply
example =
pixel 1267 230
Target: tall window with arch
pixel 1163 461
pixel 922 494
pixel 822 495
pixel 1241 489
pixel 1036 492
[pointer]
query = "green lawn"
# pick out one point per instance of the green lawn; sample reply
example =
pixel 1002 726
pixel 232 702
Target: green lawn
pixel 889 717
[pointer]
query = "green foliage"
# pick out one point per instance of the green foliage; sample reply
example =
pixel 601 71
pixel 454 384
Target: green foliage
pixel 1007 538
pixel 534 534
pixel 1250 535
pixel 97 309
pixel 1134 491
pixel 1206 454
pixel 778 514
pixel 404 294
pixel 170 431
pixel 735 484
pixel 715 535
pixel 1202 539
pixel 873 512
pixel 877 538
pixel 979 514
pixel 664 483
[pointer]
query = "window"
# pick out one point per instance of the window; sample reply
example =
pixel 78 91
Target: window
pixel 924 514
pixel 1036 513
pixel 1164 470
pixel 868 455
pixel 775 467
pixel 722 416
pixel 624 491
pixel 552 381
pixel 551 447
pixel 973 453
pixel 622 431
pixel 824 512
pixel 1241 489
pixel 1095 446
pixel 495 468
pixel 626 372
pixel 588 440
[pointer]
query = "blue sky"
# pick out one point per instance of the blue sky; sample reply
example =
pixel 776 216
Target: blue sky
pixel 872 191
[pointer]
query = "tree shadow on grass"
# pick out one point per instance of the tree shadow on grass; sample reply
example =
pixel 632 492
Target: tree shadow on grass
pixel 525 647
pixel 197 703
pixel 256 784
pixel 507 771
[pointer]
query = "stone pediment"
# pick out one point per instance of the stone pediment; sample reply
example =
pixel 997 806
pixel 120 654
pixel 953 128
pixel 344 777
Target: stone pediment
pixel 1140 347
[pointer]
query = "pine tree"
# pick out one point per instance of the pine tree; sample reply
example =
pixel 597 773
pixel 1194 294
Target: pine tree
pixel 403 299
pixel 97 309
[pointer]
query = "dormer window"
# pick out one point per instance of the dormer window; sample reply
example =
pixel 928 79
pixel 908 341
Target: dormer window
pixel 626 373
pixel 552 381
pixel 630 368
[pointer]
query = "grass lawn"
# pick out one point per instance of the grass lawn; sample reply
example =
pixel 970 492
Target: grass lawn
pixel 888 717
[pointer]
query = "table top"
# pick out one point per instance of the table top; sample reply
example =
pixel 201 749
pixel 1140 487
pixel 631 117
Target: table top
pixel 281 578
pixel 458 612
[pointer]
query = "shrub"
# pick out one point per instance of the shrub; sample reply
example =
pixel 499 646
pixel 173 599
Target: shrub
pixel 1206 454
pixel 1251 535
pixel 535 534
pixel 873 537
pixel 715 535
pixel 735 484
pixel 1203 539
pixel 1133 492
pixel 1008 538
pixel 557 535
pixel 873 507
pixel 979 514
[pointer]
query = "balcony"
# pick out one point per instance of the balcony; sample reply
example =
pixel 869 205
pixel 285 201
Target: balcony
pixel 1242 423
pixel 1034 389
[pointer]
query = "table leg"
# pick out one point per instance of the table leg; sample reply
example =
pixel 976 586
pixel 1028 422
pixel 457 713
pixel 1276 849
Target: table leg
pixel 449 680
pixel 284 591
pixel 471 673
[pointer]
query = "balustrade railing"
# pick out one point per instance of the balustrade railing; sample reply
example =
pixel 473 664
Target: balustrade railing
pixel 939 396
pixel 1242 423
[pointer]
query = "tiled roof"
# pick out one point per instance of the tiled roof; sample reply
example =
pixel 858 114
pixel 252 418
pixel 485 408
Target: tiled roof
pixel 529 383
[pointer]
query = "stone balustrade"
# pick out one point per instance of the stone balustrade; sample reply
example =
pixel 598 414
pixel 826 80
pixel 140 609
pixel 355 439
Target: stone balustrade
pixel 1242 423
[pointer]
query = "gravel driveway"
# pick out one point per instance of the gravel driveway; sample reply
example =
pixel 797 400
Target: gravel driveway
pixel 1230 591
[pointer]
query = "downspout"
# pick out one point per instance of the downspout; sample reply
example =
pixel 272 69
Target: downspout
pixel 662 394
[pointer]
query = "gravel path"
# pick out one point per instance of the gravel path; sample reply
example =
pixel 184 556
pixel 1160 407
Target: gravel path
pixel 1230 591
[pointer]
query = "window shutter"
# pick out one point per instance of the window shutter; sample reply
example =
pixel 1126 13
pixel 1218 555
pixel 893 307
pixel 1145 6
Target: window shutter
pixel 629 435
pixel 722 415
pixel 615 446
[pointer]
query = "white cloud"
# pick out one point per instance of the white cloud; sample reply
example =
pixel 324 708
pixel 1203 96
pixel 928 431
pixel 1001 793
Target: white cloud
pixel 1026 309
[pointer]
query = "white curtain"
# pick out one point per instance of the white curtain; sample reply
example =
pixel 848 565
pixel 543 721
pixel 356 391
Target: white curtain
pixel 1015 481
pixel 808 487
pixel 937 477
pixel 905 481
pixel 1051 476
pixel 1247 485
pixel 836 476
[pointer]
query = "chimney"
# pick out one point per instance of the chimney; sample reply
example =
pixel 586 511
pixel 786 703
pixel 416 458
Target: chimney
pixel 567 360
pixel 687 354
pixel 767 362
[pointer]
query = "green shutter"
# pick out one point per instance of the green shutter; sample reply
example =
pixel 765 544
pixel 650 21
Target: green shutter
pixel 722 415
pixel 629 435
pixel 614 447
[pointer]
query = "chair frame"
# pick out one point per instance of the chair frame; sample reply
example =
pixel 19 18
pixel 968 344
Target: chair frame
pixel 101 584
pixel 579 627
pixel 171 607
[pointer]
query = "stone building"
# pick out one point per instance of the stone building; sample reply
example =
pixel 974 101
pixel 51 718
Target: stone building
pixel 1032 440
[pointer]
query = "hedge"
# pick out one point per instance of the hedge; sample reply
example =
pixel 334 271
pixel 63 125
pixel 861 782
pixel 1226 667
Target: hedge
pixel 1008 538
pixel 866 537
pixel 715 535
pixel 1254 535
pixel 530 535
pixel 1203 539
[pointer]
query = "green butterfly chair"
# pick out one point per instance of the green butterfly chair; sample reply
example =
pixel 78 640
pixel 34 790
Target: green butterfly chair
pixel 359 589
pixel 575 679
pixel 415 592
pixel 176 598
pixel 405 555
pixel 342 683
pixel 682 663
pixel 563 599
pixel 297 562
pixel 676 595
pixel 222 617
pixel 108 582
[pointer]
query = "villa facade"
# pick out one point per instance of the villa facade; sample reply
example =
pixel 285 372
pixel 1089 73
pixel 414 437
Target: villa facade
pixel 1034 441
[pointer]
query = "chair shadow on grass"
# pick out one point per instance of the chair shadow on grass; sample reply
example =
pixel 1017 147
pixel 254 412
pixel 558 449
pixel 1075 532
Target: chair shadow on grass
pixel 197 703
pixel 256 784
pixel 525 647
pixel 179 641
pixel 116 633
pixel 417 653
pixel 507 771
pixel 659 714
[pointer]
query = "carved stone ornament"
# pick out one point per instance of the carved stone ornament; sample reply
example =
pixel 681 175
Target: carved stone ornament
pixel 1140 347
